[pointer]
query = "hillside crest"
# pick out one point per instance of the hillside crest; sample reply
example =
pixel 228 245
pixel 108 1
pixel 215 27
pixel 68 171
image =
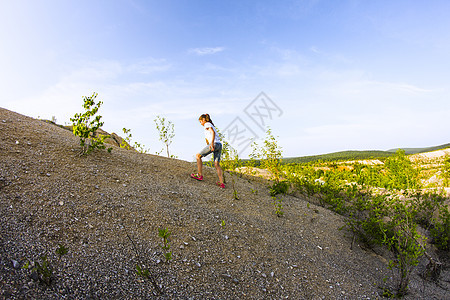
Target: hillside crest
pixel 107 208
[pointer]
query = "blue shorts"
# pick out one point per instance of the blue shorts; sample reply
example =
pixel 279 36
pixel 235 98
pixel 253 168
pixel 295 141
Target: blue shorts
pixel 217 151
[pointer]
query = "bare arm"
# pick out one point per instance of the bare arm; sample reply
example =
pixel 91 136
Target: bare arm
pixel 211 146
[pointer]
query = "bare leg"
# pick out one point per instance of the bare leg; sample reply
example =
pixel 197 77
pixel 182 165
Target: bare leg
pixel 219 171
pixel 199 164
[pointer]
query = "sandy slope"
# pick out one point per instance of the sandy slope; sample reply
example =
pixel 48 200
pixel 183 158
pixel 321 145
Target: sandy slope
pixel 101 205
pixel 430 155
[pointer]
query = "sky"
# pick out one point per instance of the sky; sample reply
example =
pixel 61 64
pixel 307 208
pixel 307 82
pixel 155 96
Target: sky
pixel 324 76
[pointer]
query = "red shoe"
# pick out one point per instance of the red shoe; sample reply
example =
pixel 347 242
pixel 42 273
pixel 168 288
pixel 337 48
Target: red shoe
pixel 221 185
pixel 196 176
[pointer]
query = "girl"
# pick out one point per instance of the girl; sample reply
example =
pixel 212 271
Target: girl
pixel 214 146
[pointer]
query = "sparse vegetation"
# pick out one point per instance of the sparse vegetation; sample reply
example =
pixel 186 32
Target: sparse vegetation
pixel 42 269
pixel 47 198
pixel 230 162
pixel 141 270
pixel 384 205
pixel 126 142
pixel 61 251
pixel 445 171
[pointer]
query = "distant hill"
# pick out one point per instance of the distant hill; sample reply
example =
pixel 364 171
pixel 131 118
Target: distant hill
pixel 420 150
pixel 341 155
pixel 359 155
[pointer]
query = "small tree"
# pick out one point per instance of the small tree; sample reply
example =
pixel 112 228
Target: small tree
pixel 126 142
pixel 269 155
pixel 166 131
pixel 230 158
pixel 86 129
pixel 164 233
pixel 232 163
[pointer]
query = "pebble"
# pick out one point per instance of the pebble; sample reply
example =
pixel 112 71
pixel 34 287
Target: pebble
pixel 16 264
pixel 34 276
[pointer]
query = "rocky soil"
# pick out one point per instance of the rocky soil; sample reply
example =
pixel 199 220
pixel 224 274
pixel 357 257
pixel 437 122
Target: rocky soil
pixel 106 209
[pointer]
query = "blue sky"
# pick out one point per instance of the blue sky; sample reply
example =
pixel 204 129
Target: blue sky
pixel 346 75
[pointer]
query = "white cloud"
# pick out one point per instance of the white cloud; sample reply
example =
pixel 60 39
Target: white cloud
pixel 315 49
pixel 401 87
pixel 206 50
pixel 149 66
pixel 99 71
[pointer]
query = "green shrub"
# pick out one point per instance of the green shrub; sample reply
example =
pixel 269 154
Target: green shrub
pixel 389 220
pixel 401 172
pixel 278 204
pixel 445 171
pixel 441 229
pixel 280 187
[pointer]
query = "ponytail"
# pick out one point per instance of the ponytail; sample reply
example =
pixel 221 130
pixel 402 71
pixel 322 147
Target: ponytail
pixel 207 118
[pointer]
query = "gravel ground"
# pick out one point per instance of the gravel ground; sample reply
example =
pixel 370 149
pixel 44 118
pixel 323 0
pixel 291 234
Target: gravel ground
pixel 106 209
